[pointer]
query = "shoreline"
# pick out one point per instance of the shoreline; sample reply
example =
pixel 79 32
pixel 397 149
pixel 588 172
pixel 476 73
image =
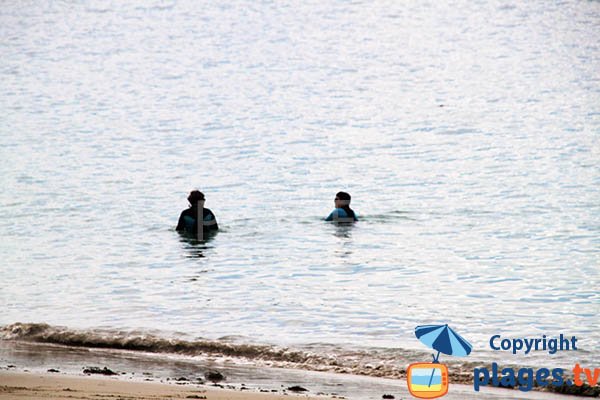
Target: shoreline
pixel 24 360
pixel 354 360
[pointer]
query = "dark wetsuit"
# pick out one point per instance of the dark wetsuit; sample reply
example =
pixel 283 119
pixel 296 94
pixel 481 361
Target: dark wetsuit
pixel 188 223
pixel 342 215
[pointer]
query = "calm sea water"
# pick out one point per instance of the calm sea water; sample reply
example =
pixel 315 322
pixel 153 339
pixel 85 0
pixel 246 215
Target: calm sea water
pixel 466 132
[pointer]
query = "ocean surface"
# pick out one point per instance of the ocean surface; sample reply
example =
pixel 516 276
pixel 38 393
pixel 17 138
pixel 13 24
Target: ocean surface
pixel 466 132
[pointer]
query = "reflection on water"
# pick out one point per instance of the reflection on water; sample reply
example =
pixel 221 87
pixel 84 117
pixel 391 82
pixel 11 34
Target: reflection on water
pixel 343 231
pixel 193 246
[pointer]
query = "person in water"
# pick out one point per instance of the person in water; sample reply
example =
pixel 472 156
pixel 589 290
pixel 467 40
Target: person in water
pixel 188 220
pixel 342 212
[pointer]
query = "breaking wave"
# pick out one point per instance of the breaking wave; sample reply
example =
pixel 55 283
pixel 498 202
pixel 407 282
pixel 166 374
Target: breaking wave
pixel 377 362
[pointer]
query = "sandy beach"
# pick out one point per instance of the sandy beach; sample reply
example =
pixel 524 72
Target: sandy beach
pixel 37 370
pixel 23 385
pixel 54 386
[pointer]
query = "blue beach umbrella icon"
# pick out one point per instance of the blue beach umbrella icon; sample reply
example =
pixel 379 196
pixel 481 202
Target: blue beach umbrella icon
pixel 443 339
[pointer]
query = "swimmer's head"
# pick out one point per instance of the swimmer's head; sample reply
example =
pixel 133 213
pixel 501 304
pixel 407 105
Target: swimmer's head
pixel 342 199
pixel 195 197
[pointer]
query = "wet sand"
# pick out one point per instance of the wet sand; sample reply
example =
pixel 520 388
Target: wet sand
pixel 51 386
pixel 25 374
pixel 23 385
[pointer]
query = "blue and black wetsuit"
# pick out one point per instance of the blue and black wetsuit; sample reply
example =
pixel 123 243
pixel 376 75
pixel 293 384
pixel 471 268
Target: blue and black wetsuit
pixel 188 221
pixel 345 214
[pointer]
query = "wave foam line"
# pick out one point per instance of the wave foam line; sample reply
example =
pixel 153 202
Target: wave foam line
pixel 389 363
pixel 44 333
